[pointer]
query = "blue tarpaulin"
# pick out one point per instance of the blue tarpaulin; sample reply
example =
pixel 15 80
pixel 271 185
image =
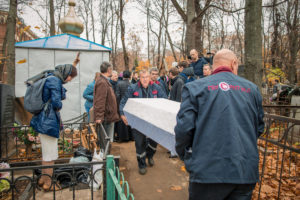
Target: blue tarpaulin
pixel 63 41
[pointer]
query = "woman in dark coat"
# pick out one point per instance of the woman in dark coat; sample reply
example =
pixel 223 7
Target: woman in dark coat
pixel 48 121
pixel 123 131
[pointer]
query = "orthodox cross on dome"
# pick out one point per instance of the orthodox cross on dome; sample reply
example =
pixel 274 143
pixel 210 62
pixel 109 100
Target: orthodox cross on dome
pixel 71 23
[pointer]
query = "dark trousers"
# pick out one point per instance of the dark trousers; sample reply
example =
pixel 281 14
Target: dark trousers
pixel 145 147
pixel 220 191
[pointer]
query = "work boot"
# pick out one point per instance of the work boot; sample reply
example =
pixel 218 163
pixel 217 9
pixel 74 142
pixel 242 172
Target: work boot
pixel 150 162
pixel 142 171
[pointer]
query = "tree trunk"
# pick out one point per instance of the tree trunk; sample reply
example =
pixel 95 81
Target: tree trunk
pixel 52 20
pixel 198 35
pixel 11 31
pixel 190 27
pixel 4 55
pixel 148 29
pixel 293 37
pixel 274 45
pixel 93 21
pixel 253 41
pixel 208 32
pixel 171 44
pixel 126 59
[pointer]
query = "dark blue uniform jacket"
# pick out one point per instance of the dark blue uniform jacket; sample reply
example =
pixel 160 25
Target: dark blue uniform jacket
pixel 136 91
pixel 219 122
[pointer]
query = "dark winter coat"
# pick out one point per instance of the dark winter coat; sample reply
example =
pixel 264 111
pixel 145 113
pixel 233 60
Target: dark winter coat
pixel 218 124
pixel 162 85
pixel 48 121
pixel 133 81
pixel 121 89
pixel 105 103
pixel 187 75
pixel 113 84
pixel 177 84
pixel 136 91
pixel 198 67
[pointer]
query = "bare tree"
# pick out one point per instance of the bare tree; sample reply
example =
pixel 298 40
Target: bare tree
pixel 84 13
pixel 253 41
pixel 52 19
pixel 193 17
pixel 126 58
pixel 11 31
pixel 292 24
pixel 114 31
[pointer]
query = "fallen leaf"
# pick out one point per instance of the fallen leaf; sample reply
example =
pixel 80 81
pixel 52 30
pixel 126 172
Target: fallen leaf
pixel 183 168
pixel 37 27
pixel 176 188
pixel 159 190
pixel 266 189
pixel 27 28
pixel 22 61
pixel 122 168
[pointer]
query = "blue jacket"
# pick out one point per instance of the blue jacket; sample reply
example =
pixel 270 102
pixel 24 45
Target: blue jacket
pixel 218 124
pixel 198 67
pixel 135 91
pixel 88 94
pixel 48 121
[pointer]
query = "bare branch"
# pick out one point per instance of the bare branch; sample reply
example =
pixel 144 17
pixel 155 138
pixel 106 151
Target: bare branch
pixel 179 10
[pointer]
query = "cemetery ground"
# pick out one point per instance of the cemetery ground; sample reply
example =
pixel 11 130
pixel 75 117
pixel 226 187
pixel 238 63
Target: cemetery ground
pixel 167 179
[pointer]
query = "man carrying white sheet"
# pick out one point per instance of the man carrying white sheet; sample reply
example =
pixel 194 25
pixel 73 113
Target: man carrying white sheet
pixel 145 147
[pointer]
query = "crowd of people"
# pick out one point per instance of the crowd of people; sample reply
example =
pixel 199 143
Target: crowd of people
pixel 218 124
pixel 171 85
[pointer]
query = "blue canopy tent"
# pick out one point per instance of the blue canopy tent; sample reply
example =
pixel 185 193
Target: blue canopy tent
pixel 35 56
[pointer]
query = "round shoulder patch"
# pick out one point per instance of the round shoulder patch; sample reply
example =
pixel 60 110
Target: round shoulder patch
pixel 224 86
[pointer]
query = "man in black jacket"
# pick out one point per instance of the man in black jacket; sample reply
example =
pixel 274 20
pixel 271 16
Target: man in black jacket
pixel 176 84
pixel 197 63
pixel 218 124
pixel 123 131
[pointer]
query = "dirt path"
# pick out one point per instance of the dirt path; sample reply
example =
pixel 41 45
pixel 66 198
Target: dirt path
pixel 165 180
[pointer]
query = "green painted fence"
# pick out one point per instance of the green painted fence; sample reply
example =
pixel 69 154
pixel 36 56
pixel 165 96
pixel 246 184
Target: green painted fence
pixel 115 182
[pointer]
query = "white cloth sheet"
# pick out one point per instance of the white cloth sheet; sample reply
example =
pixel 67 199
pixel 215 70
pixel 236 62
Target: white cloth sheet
pixel 155 118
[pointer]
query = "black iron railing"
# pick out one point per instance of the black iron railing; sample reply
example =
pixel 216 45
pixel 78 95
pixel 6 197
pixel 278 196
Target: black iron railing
pixel 279 152
pixel 26 169
pixel 80 179
pixel 282 110
pixel 15 148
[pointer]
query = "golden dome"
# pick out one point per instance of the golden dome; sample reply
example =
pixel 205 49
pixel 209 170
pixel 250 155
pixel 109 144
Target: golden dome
pixel 71 23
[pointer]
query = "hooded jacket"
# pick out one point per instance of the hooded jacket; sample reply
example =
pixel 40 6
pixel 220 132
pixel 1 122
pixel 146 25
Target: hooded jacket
pixel 48 121
pixel 177 84
pixel 218 124
pixel 88 94
pixel 187 75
